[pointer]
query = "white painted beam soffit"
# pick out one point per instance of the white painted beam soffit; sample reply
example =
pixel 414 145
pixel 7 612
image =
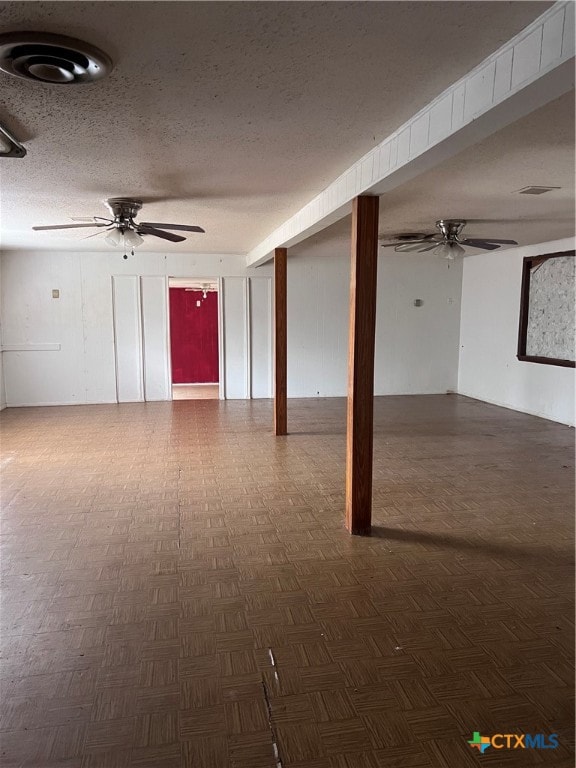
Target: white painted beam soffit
pixel 538 143
pixel 530 70
pixel 228 115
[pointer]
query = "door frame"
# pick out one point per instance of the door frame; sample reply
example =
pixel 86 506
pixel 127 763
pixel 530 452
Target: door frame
pixel 220 291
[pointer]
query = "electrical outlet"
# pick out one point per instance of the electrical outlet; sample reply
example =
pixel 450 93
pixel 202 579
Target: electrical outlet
pixel 55 293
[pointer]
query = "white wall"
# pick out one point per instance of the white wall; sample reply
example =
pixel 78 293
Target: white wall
pixel 2 386
pixel 65 350
pixel 104 339
pixel 488 368
pixel 69 350
pixel 416 347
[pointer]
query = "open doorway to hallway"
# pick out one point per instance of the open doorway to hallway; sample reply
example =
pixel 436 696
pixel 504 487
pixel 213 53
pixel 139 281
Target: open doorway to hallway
pixel 194 350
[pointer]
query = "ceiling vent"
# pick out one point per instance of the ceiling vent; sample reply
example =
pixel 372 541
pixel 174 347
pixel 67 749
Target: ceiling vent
pixel 52 59
pixel 535 190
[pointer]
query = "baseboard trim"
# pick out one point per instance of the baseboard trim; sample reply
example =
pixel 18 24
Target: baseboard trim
pixel 64 402
pixel 498 403
pixel 510 407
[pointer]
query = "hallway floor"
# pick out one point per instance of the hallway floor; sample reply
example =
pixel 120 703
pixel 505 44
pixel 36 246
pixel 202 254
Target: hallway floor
pixel 179 590
pixel 195 391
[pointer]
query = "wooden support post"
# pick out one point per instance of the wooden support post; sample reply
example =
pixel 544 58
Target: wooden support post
pixel 280 342
pixel 361 365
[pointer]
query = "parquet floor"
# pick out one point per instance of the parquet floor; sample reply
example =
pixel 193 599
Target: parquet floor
pixel 179 590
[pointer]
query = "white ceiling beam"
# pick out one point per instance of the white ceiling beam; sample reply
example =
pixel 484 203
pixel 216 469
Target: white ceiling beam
pixel 530 70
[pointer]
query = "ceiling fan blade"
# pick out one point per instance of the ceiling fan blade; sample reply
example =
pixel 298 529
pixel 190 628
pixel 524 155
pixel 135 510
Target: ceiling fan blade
pixel 480 244
pixel 429 247
pixel 144 229
pixel 495 240
pixel 408 240
pixel 69 226
pixel 416 245
pixel 95 234
pixel 91 218
pixel 183 227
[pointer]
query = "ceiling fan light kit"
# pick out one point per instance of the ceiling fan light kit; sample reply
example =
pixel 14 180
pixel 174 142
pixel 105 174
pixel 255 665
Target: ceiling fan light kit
pixel 449 250
pixel 127 238
pixel 447 243
pixel 122 229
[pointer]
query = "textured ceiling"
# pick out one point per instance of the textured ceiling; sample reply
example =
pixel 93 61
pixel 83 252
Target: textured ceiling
pixel 480 186
pixel 227 115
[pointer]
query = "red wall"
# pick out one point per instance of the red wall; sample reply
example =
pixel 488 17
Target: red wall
pixel 193 336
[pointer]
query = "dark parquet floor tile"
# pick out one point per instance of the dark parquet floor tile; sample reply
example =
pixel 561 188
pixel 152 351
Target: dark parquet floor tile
pixel 179 590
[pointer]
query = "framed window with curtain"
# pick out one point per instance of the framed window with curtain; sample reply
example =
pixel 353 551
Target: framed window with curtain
pixel 547 310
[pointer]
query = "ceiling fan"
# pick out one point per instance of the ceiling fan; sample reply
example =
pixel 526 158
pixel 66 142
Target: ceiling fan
pixel 122 229
pixel 447 242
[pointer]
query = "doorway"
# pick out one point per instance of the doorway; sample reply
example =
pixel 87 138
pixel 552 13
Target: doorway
pixel 194 348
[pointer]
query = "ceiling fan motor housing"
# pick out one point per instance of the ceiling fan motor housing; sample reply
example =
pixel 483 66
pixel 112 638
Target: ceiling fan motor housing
pixel 52 59
pixel 451 228
pixel 123 208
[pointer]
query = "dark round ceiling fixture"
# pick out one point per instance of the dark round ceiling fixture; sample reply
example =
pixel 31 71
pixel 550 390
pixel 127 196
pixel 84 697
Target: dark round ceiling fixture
pixel 54 59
